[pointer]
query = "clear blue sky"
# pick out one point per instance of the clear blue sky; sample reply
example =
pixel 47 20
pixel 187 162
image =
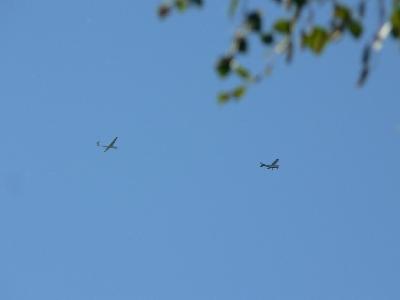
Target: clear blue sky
pixel 181 210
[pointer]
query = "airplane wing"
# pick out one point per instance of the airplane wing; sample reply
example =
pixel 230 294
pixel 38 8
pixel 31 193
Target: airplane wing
pixel 113 142
pixel 275 162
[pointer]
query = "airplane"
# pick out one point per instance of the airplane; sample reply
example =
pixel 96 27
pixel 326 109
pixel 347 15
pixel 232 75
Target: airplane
pixel 272 166
pixel 109 146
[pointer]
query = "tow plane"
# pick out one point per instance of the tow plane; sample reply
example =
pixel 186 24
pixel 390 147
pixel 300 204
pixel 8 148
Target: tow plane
pixel 109 146
pixel 272 166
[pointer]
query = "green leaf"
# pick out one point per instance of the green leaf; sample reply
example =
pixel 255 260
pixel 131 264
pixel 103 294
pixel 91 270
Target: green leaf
pixel 223 66
pixel 342 12
pixel 197 2
pixel 283 26
pixel 343 15
pixel 267 38
pixel 241 44
pixel 300 3
pixel 243 73
pixel 239 91
pixel 355 28
pixel 223 97
pixel 316 40
pixel 181 4
pixel 163 11
pixel 395 20
pixel 254 21
pixel 233 5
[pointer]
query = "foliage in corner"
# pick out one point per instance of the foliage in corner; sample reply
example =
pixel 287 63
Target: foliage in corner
pixel 297 28
pixel 165 9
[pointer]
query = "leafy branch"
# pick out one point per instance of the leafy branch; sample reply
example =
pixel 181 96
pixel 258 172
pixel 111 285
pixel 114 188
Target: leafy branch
pixel 296 30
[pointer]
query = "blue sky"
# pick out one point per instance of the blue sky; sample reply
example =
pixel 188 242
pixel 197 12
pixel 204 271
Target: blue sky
pixel 181 210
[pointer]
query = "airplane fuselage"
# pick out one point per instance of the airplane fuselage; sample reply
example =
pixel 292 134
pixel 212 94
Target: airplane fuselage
pixel 272 166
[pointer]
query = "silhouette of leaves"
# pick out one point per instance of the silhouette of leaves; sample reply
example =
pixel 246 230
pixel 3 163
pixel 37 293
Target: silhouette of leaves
pixel 282 35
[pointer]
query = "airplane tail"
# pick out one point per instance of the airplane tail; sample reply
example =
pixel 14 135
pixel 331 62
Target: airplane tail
pixel 98 144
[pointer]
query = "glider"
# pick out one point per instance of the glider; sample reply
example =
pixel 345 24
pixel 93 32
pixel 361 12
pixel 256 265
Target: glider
pixel 109 146
pixel 272 166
